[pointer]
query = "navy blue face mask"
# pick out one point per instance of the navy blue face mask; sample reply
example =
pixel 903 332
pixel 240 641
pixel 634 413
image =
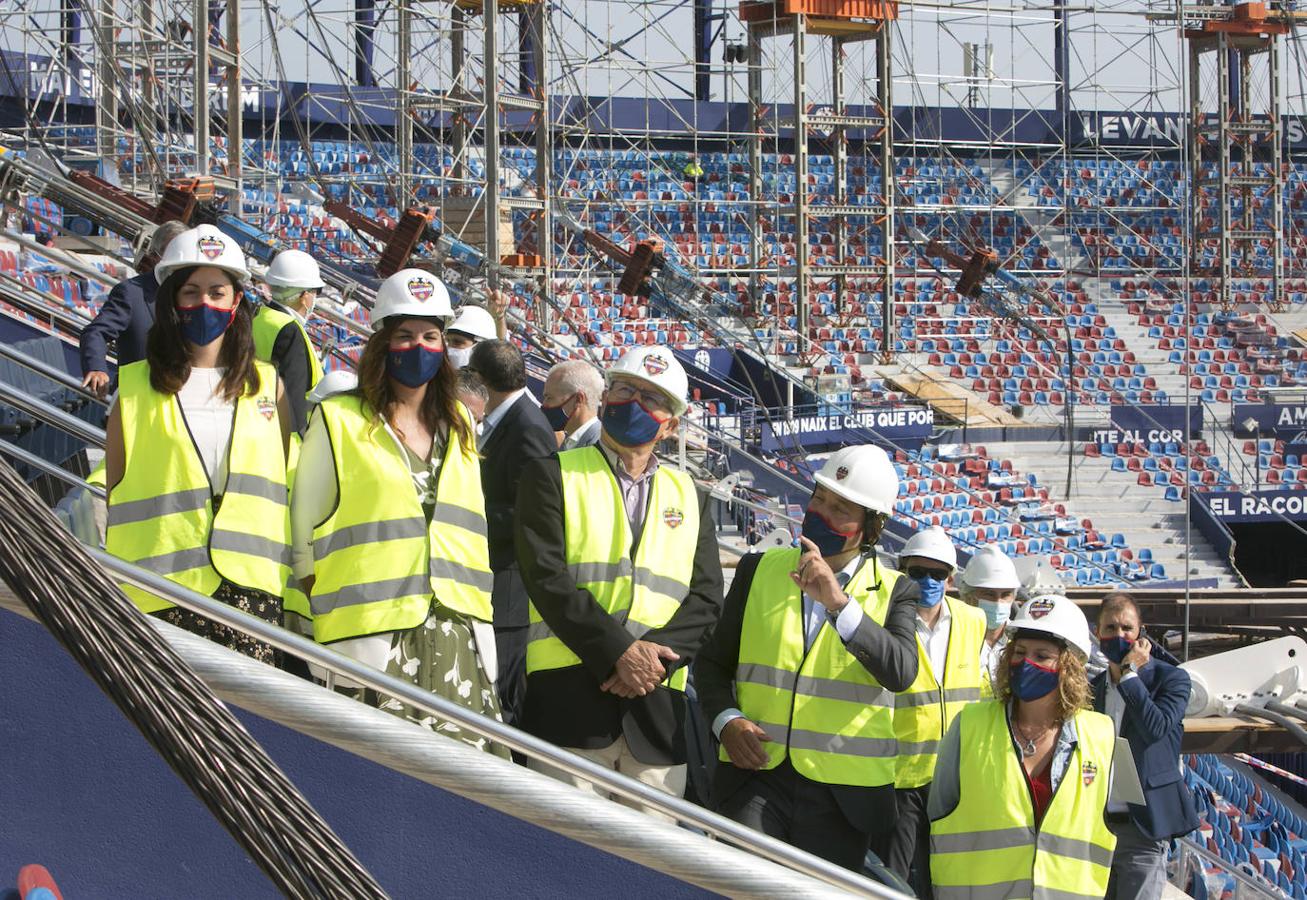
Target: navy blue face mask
pixel 415 366
pixel 204 324
pixel 557 416
pixel 1030 681
pixel 630 424
pixel 1115 648
pixel 829 541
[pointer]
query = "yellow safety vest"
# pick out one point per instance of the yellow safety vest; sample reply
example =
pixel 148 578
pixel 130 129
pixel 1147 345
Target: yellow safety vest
pixel 97 475
pixel 161 514
pixel 989 846
pixel 643 594
pixel 377 562
pixel 924 711
pixel 821 708
pixel 268 323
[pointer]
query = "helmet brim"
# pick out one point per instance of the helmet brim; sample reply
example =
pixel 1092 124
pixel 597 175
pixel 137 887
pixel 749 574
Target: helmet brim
pixel 832 485
pixel 679 406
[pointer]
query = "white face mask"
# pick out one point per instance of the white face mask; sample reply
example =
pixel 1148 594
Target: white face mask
pixel 308 310
pixel 458 356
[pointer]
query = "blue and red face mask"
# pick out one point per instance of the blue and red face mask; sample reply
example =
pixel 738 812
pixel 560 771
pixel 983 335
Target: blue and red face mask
pixel 202 325
pixel 1030 681
pixel 631 423
pixel 829 540
pixel 415 366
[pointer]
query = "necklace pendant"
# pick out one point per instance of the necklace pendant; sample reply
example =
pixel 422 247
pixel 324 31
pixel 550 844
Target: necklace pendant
pixel 1028 749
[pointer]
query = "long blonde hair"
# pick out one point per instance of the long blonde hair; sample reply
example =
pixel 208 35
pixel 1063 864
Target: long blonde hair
pixel 1072 681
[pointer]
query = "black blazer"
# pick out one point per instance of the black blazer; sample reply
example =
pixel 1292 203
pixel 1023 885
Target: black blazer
pixel 1154 724
pixel 565 706
pixel 889 653
pixel 126 317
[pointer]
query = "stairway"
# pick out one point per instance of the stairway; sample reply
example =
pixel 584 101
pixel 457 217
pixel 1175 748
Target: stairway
pixel 1115 503
pixel 1113 309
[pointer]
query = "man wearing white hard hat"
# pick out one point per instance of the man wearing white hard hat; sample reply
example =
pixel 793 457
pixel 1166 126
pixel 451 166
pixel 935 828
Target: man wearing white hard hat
pixel 389 520
pixel 990 583
pixel 798 678
pixel 1022 783
pixel 619 554
pixel 949 637
pixel 472 325
pixel 281 336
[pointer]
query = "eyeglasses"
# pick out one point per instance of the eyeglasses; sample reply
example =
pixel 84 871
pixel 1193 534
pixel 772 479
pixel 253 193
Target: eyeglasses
pixel 624 392
pixel 916 573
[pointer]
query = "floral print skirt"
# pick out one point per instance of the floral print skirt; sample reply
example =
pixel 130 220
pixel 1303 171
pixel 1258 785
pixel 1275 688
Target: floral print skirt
pixel 256 603
pixel 439 656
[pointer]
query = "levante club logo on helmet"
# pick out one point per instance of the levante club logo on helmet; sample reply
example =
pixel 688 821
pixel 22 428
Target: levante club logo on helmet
pixel 421 288
pixel 841 473
pixel 1040 607
pixel 654 364
pixel 210 248
pixel 673 517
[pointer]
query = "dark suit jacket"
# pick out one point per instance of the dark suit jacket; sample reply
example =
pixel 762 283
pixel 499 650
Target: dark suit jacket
pixel 522 435
pixel 565 706
pixel 126 317
pixel 1154 724
pixel 889 653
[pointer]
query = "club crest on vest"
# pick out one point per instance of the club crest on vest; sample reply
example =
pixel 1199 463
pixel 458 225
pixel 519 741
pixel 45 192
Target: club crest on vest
pixel 655 364
pixel 1088 772
pixel 1040 607
pixel 421 288
pixel 673 517
pixel 267 408
pixel 210 248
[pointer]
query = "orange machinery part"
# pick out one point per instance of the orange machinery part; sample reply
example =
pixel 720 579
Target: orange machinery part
pixel 829 9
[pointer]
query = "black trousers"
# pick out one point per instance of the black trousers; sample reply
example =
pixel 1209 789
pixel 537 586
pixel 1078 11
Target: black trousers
pixel 906 848
pixel 783 804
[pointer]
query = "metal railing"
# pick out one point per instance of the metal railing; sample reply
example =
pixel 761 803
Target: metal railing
pixel 1192 858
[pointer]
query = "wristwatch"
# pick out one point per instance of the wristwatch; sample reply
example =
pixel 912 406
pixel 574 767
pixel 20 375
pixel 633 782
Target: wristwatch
pixel 1131 667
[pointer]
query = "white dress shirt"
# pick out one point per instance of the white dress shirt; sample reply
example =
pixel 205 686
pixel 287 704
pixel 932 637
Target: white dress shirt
pixel 581 435
pixel 496 415
pixel 935 640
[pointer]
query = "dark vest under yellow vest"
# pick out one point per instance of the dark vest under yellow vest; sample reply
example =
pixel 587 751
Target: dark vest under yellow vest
pixel 643 593
pixel 377 562
pixel 989 846
pixel 161 514
pixel 820 707
pixel 925 710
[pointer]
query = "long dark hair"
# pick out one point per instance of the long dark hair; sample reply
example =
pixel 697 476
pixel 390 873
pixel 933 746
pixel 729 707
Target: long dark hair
pixel 439 404
pixel 165 348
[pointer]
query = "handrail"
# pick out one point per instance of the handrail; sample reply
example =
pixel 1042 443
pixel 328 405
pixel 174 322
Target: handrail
pixel 63 257
pixel 520 741
pixel 45 370
pixel 11 396
pixel 31 459
pixel 1242 878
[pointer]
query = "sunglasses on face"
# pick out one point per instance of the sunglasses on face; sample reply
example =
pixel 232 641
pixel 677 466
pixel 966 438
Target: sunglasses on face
pixel 919 572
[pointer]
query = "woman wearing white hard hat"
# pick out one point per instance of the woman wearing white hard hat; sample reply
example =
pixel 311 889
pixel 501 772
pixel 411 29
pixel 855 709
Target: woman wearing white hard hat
pixel 196 447
pixel 388 518
pixel 990 582
pixel 1020 795
pixel 949 637
pixel 798 677
pixel 472 325
pixel 280 328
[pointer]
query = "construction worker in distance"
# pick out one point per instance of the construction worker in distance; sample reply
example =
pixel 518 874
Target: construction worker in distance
pixel 798 677
pixel 1020 795
pixel 619 555
pixel 990 582
pixel 196 448
pixel 388 517
pixel 280 328
pixel 949 637
pixel 474 324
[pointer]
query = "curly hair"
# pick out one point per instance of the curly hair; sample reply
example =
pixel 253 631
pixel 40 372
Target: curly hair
pixel 1072 681
pixel 439 405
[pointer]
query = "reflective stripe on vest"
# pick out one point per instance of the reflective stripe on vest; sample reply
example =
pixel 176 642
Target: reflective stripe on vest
pixel 160 515
pixel 923 712
pixel 989 846
pixel 642 594
pixel 377 563
pixel 268 323
pixel 821 708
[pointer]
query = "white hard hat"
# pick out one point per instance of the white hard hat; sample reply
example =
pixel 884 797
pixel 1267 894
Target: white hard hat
pixel 203 245
pixel 864 475
pixel 337 381
pixel 931 543
pixel 294 269
pixel 475 321
pixel 658 367
pixel 1042 580
pixel 412 293
pixel 991 568
pixel 1053 615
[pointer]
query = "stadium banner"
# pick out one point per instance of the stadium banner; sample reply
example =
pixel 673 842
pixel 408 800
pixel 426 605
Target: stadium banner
pixel 901 426
pixel 1287 421
pixel 1235 507
pixel 1149 424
